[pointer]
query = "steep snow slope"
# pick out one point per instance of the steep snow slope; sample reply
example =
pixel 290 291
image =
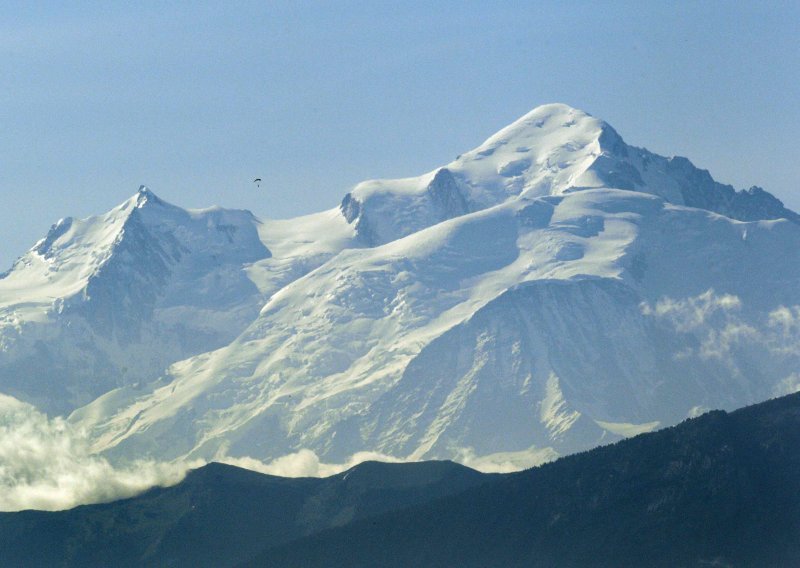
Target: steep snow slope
pixel 535 327
pixel 113 299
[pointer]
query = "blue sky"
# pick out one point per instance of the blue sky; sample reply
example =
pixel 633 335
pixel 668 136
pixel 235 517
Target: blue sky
pixel 197 99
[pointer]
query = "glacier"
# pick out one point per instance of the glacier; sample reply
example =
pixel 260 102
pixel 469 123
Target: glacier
pixel 551 290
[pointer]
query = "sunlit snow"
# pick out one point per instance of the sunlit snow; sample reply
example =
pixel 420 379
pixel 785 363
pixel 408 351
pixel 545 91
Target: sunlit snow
pixel 551 290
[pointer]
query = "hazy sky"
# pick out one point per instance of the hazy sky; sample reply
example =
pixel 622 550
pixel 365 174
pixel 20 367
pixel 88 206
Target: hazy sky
pixel 197 99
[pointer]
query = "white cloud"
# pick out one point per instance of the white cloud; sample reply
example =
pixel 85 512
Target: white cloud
pixel 305 463
pixel 786 319
pixel 694 312
pixel 696 411
pixel 718 343
pixel 784 328
pixel 45 464
pixel 627 429
pixel 724 333
pixel 506 462
pixel 788 385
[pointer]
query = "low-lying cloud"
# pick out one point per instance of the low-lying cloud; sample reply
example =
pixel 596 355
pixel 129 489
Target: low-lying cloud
pixel 46 464
pixel 506 462
pixel 305 463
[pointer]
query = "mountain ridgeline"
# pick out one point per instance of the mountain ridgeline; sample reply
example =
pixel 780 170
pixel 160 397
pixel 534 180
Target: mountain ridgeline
pixel 220 515
pixel 551 290
pixel 718 490
pixel 112 300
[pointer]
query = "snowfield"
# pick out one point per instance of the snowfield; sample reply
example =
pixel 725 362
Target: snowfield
pixel 549 291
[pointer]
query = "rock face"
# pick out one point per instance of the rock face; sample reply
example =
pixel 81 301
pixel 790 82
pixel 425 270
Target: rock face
pixel 551 290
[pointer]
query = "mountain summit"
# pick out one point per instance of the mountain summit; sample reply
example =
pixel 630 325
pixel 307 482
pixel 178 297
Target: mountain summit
pixel 551 290
pixel 552 150
pixel 113 299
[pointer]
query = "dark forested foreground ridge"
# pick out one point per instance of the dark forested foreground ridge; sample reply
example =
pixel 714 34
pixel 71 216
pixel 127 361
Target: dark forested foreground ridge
pixel 219 516
pixel 719 490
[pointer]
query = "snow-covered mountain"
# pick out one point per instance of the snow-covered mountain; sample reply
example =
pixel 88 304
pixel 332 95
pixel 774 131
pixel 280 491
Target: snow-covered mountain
pixel 114 299
pixel 552 150
pixel 550 290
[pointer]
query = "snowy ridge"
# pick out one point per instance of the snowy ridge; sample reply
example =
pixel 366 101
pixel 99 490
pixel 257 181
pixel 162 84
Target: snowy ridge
pixel 548 291
pixel 552 150
pixel 113 299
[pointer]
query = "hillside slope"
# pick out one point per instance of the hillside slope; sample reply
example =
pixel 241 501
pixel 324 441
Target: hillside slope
pixel 719 490
pixel 219 515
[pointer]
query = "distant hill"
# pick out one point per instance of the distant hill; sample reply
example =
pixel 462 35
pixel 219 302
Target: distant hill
pixel 219 515
pixel 719 490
